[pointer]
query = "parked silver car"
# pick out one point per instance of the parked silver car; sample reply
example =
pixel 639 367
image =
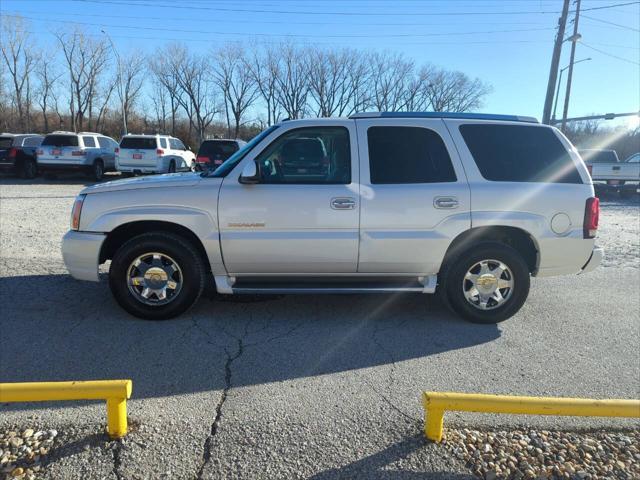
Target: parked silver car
pixel 87 152
pixel 469 205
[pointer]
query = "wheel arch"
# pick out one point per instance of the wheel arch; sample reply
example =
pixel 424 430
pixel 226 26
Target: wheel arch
pixel 119 235
pixel 517 238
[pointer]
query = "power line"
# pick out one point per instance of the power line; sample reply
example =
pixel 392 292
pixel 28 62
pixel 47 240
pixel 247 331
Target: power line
pixel 291 35
pixel 612 23
pixel 609 54
pixel 350 14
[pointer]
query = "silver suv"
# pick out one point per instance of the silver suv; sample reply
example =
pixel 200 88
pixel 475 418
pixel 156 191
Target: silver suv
pixel 87 152
pixel 467 205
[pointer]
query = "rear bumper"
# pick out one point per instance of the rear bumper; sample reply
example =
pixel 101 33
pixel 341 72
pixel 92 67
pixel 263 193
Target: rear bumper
pixel 137 169
pixel 594 260
pixel 59 167
pixel 81 251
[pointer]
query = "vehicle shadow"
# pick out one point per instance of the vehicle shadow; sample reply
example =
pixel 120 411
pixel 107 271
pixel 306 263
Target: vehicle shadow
pixel 62 179
pixel 57 328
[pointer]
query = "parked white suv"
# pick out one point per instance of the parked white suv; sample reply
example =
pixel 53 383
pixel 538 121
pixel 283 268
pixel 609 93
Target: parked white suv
pixel 87 152
pixel 469 205
pixel 153 154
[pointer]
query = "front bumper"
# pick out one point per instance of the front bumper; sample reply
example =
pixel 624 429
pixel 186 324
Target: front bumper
pixel 594 260
pixel 81 251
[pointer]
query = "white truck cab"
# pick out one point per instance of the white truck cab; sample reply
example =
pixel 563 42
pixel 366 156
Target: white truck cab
pixel 469 205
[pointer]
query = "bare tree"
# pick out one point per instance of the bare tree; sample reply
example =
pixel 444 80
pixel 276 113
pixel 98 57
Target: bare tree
pixel 329 80
pixel 132 69
pixel 192 73
pixel 292 82
pixel 264 66
pixel 47 76
pixel 166 73
pixel 235 80
pixel 453 91
pixel 389 77
pixel 17 52
pixel 86 60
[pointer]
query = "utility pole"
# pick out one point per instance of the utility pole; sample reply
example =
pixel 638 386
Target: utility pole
pixel 555 62
pixel 574 39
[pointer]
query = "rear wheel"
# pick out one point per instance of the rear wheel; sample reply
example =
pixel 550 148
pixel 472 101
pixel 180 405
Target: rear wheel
pixel 487 283
pixel 29 169
pixel 157 276
pixel 97 170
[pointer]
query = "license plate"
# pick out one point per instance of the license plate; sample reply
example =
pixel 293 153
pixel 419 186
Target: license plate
pixel 137 156
pixel 614 182
pixel 55 151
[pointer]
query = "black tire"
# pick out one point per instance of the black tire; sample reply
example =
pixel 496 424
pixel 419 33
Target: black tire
pixel 454 273
pixel 97 170
pixel 29 169
pixel 185 256
pixel 172 167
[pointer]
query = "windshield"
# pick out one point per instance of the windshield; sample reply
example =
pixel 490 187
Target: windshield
pixel 61 140
pixel 224 169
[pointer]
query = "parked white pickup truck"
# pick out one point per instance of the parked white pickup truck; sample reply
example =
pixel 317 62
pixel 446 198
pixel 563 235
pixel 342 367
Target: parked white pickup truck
pixel 604 166
pixel 469 205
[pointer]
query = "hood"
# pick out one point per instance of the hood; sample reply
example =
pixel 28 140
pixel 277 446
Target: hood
pixel 187 179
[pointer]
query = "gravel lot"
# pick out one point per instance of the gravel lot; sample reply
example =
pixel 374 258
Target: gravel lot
pixel 296 386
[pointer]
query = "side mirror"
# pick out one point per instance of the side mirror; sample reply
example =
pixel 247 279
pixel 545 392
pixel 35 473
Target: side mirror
pixel 250 174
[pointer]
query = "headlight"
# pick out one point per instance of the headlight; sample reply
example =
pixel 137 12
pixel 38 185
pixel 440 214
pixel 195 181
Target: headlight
pixel 76 211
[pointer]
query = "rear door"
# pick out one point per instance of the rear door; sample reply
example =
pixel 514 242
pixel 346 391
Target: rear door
pixel 415 197
pixel 107 151
pixel 61 149
pixel 295 221
pixel 138 152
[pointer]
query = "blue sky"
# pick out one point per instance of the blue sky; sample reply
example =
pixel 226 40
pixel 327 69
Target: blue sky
pixel 506 43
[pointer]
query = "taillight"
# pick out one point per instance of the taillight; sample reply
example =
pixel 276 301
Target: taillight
pixel 39 152
pixel 203 159
pixel 591 217
pixel 160 151
pixel 117 151
pixel 13 153
pixel 76 211
pixel 78 153
pixel 590 170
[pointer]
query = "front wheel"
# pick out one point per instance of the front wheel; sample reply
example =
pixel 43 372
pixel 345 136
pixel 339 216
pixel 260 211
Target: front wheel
pixel 487 283
pixel 157 276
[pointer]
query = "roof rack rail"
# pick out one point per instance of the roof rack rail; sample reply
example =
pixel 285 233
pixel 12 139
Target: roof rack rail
pixel 462 116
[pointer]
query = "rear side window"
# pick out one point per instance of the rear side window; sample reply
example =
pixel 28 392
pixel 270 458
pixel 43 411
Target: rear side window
pixel 32 141
pixel 163 143
pixel 138 143
pixel 408 155
pixel 519 153
pixel 61 140
pixel 89 141
pixel 6 142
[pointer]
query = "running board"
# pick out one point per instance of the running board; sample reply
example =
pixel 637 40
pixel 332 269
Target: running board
pixel 231 285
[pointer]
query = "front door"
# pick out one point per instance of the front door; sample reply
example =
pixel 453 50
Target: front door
pixel 302 217
pixel 415 196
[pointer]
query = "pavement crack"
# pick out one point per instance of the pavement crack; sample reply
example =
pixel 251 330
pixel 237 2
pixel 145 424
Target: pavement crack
pixel 116 450
pixel 206 453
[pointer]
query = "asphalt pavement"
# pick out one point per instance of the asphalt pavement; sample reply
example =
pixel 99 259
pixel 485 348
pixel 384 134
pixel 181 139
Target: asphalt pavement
pixel 294 386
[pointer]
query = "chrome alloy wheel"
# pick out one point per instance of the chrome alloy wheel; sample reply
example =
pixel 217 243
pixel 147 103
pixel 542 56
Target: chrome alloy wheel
pixel 488 284
pixel 154 278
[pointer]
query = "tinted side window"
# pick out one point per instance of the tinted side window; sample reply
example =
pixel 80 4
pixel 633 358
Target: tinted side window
pixel 163 143
pixel 519 153
pixel 32 141
pixel 88 141
pixel 408 155
pixel 60 140
pixel 139 143
pixel 308 155
pixel 180 145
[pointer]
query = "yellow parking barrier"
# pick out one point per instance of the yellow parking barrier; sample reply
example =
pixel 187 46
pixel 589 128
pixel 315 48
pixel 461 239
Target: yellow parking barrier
pixel 436 403
pixel 115 392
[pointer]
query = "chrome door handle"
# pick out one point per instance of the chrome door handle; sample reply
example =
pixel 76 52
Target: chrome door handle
pixel 445 202
pixel 343 203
